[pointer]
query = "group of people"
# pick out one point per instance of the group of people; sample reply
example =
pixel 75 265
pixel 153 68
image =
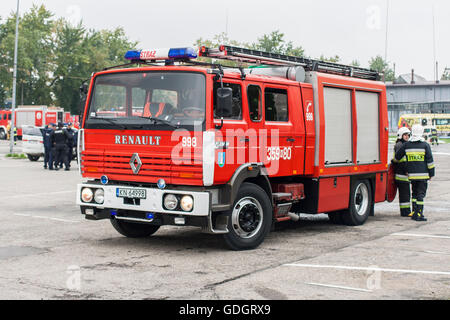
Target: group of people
pixel 58 146
pixel 414 167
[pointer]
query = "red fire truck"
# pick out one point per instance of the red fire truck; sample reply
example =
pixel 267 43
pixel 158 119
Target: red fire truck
pixel 36 116
pixel 177 141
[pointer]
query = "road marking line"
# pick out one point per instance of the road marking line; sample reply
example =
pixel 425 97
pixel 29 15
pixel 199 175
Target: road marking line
pixel 337 287
pixel 437 252
pixel 44 217
pixel 420 235
pixel 36 194
pixel 442 153
pixel 365 269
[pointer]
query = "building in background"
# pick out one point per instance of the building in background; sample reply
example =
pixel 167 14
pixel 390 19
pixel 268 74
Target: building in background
pixel 411 93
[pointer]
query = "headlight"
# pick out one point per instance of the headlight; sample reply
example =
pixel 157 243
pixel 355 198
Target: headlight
pixel 87 195
pixel 187 203
pixel 170 202
pixel 99 196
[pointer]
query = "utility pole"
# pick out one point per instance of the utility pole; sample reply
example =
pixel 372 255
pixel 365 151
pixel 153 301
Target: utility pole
pixel 13 113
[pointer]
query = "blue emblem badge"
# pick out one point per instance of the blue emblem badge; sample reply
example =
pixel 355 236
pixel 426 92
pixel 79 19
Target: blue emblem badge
pixel 221 159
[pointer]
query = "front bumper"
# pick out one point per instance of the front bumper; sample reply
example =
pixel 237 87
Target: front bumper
pixel 152 204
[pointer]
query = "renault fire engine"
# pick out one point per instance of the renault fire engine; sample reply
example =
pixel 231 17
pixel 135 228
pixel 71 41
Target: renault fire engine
pixel 171 140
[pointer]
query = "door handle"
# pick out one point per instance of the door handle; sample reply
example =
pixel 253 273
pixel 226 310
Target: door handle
pixel 245 140
pixel 290 140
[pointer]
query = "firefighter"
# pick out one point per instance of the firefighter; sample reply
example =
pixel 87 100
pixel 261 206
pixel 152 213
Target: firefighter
pixel 48 156
pixel 58 140
pixel 420 168
pixel 401 175
pixel 434 137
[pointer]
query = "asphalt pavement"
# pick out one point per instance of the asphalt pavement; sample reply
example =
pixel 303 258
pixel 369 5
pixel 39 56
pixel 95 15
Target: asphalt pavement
pixel 49 251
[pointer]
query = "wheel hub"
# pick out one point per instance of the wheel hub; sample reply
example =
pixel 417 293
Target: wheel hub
pixel 247 217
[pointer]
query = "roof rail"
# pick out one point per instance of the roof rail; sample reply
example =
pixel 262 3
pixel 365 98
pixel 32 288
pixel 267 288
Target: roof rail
pixel 260 57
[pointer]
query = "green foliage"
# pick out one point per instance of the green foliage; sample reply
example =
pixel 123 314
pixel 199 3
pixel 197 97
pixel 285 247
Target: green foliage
pixel 446 74
pixel 355 63
pixel 333 59
pixel 378 64
pixel 54 57
pixel 275 43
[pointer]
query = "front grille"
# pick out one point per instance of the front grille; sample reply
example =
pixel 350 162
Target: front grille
pixel 155 165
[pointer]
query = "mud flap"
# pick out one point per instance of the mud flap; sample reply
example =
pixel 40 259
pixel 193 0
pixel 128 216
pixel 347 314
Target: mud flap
pixel 391 186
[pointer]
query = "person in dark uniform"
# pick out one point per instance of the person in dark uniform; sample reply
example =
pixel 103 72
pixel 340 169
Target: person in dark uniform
pixel 48 157
pixel 70 143
pixel 401 175
pixel 420 168
pixel 59 139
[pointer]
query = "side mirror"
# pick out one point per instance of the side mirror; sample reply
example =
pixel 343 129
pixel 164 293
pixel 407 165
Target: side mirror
pixel 84 88
pixel 224 102
pixel 83 95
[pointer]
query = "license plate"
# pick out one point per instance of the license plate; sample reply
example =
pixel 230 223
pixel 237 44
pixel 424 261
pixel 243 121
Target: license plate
pixel 131 193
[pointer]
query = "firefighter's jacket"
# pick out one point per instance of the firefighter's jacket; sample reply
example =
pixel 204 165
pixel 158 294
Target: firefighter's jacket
pixel 401 174
pixel 419 160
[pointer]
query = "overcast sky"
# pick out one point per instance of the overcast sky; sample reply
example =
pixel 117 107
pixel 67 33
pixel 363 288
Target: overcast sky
pixel 352 29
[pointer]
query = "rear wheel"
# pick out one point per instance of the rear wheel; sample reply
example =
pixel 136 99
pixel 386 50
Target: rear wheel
pixel 250 218
pixel 360 204
pixel 2 134
pixel 133 230
pixel 33 158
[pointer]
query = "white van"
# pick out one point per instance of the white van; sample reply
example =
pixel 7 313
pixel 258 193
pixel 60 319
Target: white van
pixel 32 142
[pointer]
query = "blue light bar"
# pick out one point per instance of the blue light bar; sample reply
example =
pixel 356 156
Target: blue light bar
pixel 133 55
pixel 161 54
pixel 182 53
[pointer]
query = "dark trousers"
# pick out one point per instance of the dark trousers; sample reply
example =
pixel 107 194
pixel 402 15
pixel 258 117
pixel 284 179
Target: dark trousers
pixel 404 194
pixel 48 157
pixel 60 154
pixel 419 191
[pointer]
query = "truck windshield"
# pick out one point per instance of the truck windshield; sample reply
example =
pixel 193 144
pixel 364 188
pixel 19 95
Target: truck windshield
pixel 148 101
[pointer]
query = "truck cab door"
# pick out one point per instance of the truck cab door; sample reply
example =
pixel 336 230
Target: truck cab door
pixel 280 130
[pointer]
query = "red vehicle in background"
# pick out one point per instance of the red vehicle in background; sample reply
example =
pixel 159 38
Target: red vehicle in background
pixel 36 116
pixel 5 116
pixel 231 151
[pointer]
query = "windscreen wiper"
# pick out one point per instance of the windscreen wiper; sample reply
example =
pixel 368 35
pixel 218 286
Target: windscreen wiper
pixel 112 121
pixel 155 120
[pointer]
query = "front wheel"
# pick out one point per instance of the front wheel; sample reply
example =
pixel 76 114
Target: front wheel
pixel 360 204
pixel 33 158
pixel 250 218
pixel 133 230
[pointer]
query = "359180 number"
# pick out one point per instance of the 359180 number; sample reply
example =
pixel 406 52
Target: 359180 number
pixel 277 153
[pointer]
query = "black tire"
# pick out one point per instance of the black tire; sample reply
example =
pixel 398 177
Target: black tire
pixel 361 202
pixel 33 158
pixel 336 217
pixel 250 218
pixel 2 134
pixel 133 230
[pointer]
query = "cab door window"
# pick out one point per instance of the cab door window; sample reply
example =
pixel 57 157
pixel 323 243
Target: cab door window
pixel 237 100
pixel 254 103
pixel 276 105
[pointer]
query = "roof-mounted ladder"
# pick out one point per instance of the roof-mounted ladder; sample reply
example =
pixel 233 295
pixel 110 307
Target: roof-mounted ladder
pixel 266 58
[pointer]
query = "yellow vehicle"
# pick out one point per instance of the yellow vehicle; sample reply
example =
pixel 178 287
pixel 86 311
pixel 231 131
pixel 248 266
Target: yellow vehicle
pixel 440 121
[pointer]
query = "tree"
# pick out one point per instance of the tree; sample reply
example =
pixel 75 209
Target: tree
pixel 54 57
pixel 275 43
pixel 78 53
pixel 378 64
pixel 446 74
pixel 355 63
pixel 35 63
pixel 333 59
